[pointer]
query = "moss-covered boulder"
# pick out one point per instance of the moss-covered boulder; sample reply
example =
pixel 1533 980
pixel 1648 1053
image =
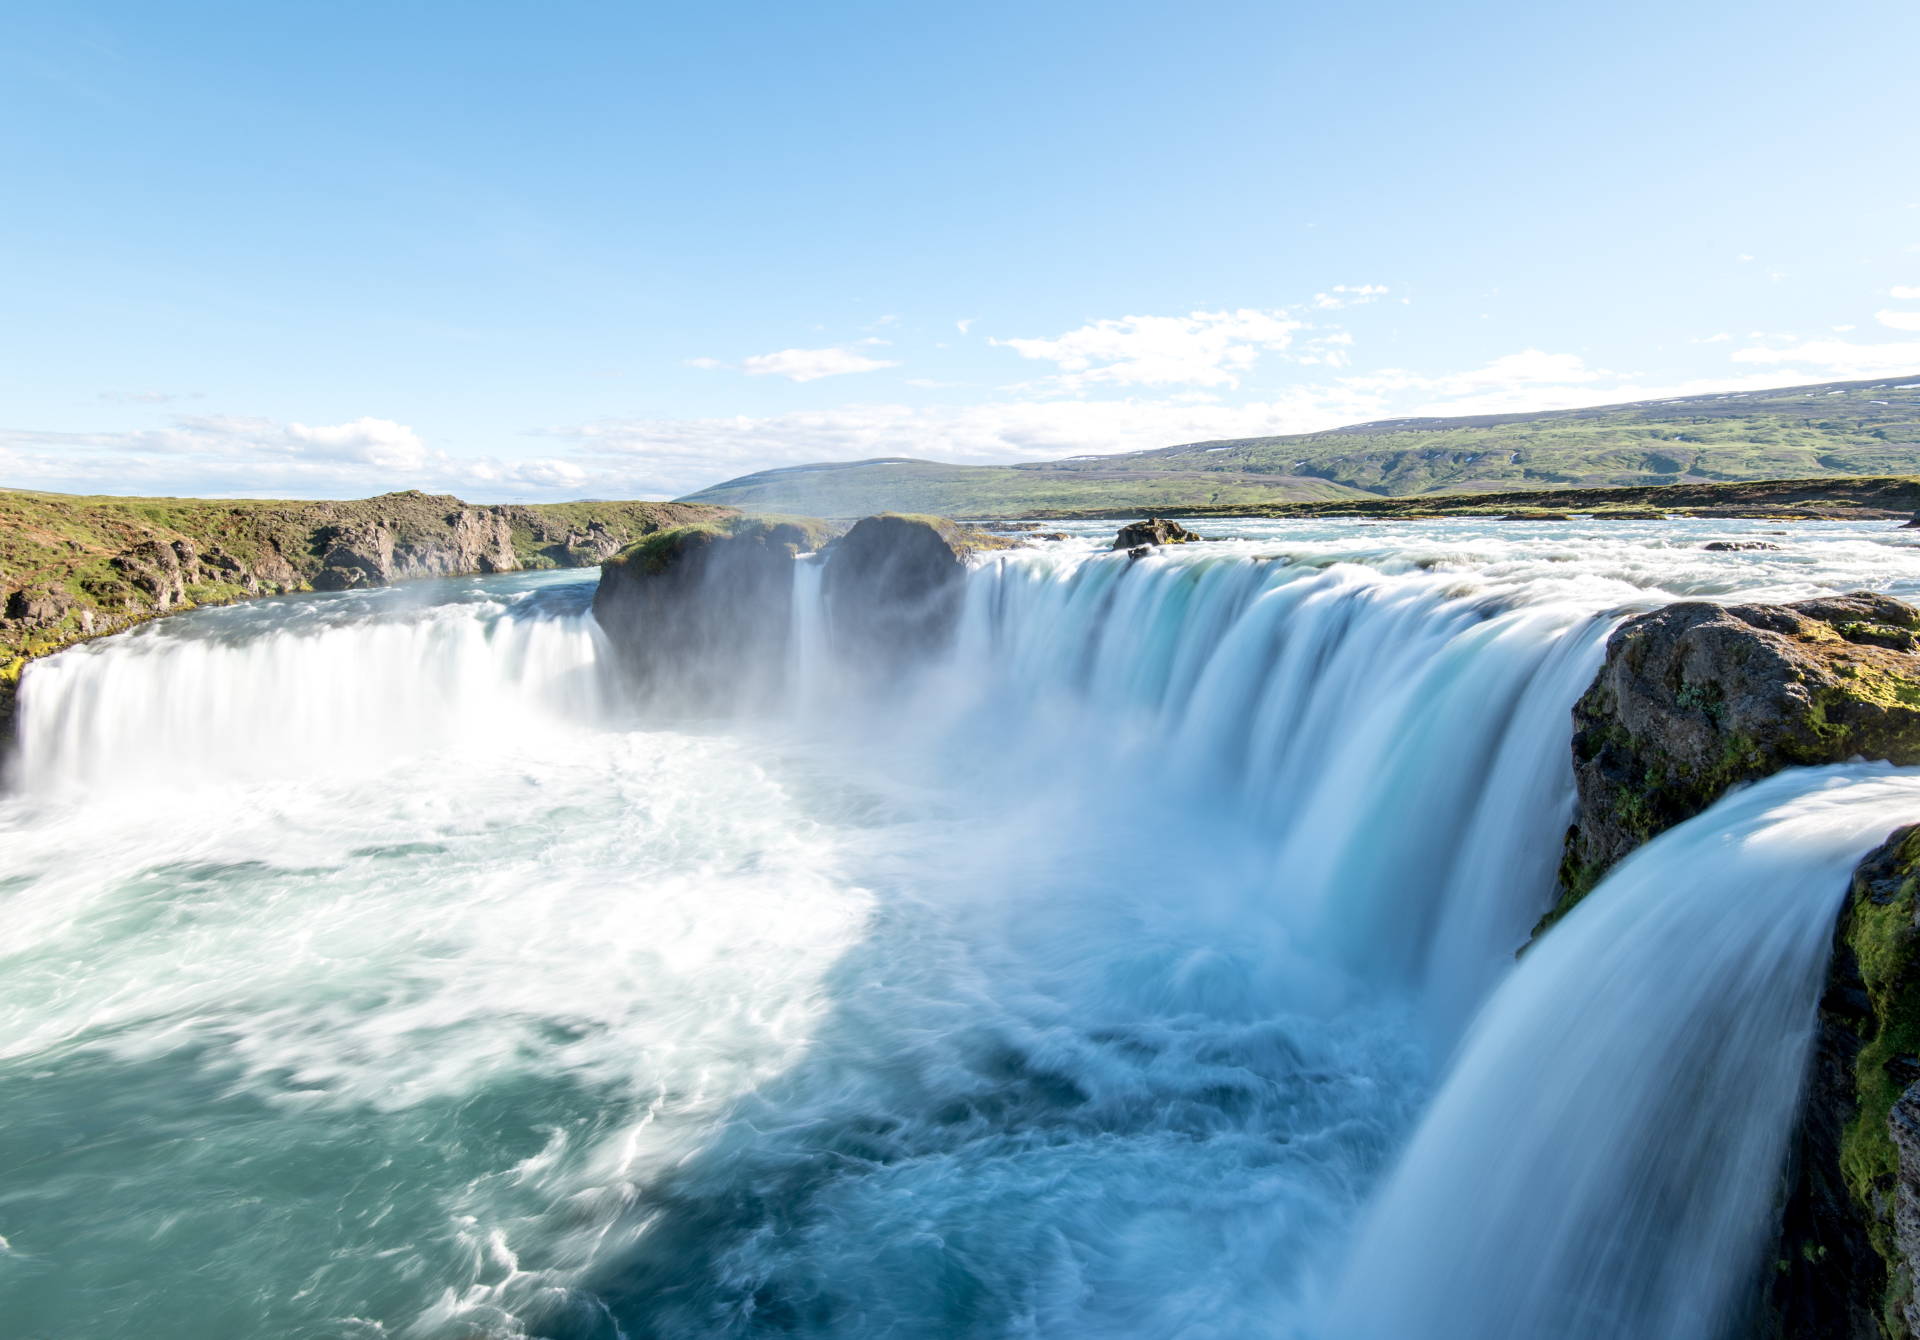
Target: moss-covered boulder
pixel 893 588
pixel 1695 698
pixel 700 615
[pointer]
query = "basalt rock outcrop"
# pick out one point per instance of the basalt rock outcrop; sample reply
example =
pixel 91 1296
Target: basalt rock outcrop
pixel 1695 698
pixel 1154 530
pixel 404 544
pixel 700 616
pixel 893 589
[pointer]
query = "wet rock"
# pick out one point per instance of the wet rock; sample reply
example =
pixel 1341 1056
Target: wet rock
pixel 1695 698
pixel 892 588
pixel 1154 530
pixel 1736 546
pixel 699 616
pixel 1844 1262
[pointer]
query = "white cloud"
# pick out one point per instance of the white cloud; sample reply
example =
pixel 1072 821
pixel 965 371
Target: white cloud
pixel 1351 295
pixel 705 364
pixel 806 365
pixel 1200 349
pixel 1908 293
pixel 1839 358
pixel 1841 330
pixel 1715 339
pixel 1898 320
pixel 964 324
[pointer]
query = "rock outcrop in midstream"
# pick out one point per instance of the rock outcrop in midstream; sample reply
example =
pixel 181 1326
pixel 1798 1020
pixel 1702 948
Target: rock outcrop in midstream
pixel 1154 530
pixel 700 616
pixel 893 589
pixel 1693 700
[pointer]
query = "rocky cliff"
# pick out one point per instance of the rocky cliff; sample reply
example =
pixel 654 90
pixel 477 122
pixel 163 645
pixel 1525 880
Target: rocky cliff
pixel 1695 699
pixel 893 589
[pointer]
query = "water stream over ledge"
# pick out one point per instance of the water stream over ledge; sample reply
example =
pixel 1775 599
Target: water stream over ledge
pixel 377 966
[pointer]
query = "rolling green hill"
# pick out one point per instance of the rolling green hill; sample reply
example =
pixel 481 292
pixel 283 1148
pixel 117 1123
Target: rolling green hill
pixel 1834 429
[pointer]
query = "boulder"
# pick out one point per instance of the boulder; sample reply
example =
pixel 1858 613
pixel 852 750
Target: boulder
pixel 893 589
pixel 1736 546
pixel 1695 698
pixel 1154 530
pixel 699 616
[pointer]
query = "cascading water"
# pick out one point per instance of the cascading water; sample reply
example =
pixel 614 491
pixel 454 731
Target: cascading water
pixel 375 966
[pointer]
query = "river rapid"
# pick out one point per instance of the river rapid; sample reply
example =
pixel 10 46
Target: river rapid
pixel 378 965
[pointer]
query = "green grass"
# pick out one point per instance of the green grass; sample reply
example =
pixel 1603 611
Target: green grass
pixel 1831 430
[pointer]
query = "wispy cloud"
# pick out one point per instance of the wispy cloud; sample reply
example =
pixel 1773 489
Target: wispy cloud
pixel 1908 293
pixel 1838 358
pixel 1200 349
pixel 1898 320
pixel 1344 295
pixel 806 365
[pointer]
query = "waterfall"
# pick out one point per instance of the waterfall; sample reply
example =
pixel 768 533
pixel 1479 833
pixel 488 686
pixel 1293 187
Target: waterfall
pixel 1091 976
pixel 307 685
pixel 1603 1159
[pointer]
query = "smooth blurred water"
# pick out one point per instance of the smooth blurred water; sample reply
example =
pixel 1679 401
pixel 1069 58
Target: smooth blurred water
pixel 376 966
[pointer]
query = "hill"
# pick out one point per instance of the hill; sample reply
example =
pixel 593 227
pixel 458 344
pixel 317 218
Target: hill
pixel 1832 429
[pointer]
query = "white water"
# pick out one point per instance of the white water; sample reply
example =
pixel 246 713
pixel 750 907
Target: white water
pixel 374 968
pixel 1618 1118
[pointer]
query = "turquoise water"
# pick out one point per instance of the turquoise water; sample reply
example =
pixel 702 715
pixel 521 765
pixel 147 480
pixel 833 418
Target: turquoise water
pixel 378 965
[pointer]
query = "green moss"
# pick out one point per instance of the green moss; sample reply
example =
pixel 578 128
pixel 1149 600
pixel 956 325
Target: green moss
pixel 1878 926
pixel 799 534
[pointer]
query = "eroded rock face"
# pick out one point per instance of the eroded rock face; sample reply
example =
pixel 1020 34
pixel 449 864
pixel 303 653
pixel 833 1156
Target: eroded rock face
pixel 1695 698
pixel 377 553
pixel 700 616
pixel 1154 530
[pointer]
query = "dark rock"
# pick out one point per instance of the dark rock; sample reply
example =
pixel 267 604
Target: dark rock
pixel 699 616
pixel 39 607
pixel 893 587
pixel 1154 530
pixel 1736 546
pixel 358 554
pixel 154 567
pixel 1695 698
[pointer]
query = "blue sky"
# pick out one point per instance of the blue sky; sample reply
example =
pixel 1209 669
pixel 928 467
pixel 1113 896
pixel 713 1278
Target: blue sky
pixel 598 250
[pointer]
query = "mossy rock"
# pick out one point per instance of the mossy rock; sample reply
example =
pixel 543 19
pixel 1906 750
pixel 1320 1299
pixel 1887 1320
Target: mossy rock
pixel 1696 698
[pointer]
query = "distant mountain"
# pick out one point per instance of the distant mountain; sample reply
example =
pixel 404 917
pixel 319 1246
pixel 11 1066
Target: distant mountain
pixel 1802 432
